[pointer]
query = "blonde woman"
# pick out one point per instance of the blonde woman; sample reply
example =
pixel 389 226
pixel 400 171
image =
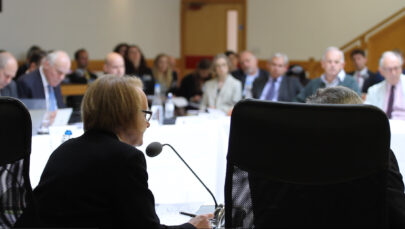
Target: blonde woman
pixel 224 91
pixel 164 75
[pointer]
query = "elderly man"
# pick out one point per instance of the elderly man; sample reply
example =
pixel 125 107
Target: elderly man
pixel 364 77
pixel 248 73
pixel 276 87
pixel 389 95
pixel 8 69
pixel 44 83
pixel 332 62
pixel 114 64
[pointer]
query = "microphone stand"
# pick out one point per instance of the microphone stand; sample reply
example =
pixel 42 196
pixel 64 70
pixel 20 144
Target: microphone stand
pixel 212 195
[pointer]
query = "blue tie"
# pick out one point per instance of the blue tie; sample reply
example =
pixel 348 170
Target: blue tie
pixel 52 99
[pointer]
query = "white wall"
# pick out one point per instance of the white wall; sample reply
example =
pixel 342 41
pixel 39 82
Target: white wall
pixel 300 28
pixel 305 28
pixel 97 25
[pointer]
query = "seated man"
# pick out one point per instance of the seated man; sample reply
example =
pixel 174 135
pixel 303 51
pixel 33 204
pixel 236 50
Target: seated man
pixel 248 73
pixel 82 74
pixel 44 83
pixel 276 87
pixel 395 196
pixel 114 64
pixel 364 77
pixel 389 95
pixel 332 62
pixel 8 69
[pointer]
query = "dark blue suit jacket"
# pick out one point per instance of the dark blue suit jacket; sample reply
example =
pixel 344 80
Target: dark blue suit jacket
pixel 30 86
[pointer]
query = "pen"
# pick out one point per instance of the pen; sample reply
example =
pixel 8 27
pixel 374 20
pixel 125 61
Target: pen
pixel 188 214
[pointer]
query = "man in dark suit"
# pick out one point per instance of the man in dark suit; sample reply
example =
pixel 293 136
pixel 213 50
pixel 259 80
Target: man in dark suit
pixel 248 73
pixel 82 74
pixel 44 83
pixel 277 86
pixel 364 77
pixel 8 69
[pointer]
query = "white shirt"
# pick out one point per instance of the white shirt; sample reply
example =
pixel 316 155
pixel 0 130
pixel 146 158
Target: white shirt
pixel 247 89
pixel 340 77
pixel 45 83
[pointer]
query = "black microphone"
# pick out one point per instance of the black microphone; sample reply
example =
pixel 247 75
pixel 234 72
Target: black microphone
pixel 155 148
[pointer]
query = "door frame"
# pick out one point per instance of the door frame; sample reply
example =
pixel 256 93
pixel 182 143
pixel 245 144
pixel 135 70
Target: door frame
pixel 184 4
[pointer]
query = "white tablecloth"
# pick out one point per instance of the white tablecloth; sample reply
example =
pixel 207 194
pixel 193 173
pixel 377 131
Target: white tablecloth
pixel 201 141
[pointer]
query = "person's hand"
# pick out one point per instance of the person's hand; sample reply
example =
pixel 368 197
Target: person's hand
pixel 196 98
pixel 202 221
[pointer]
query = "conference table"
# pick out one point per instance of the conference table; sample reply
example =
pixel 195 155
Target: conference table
pixel 202 141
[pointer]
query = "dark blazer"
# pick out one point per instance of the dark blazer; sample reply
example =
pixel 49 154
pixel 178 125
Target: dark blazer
pixel 289 88
pixel 30 86
pixel 241 76
pixel 77 77
pixel 96 181
pixel 191 85
pixel 372 79
pixel 10 90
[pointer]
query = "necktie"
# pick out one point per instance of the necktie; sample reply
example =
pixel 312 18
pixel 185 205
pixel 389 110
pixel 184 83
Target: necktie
pixel 390 102
pixel 52 99
pixel 271 93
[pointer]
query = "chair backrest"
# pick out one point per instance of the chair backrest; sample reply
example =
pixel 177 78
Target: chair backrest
pixel 306 166
pixel 15 144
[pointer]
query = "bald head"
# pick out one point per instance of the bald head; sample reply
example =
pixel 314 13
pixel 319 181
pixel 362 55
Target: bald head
pixel 114 64
pixel 248 62
pixel 8 68
pixel 56 66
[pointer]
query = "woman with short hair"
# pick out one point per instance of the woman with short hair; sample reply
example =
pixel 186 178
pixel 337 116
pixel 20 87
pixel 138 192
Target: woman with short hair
pixel 99 179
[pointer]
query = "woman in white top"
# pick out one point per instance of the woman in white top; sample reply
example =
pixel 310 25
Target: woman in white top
pixel 224 91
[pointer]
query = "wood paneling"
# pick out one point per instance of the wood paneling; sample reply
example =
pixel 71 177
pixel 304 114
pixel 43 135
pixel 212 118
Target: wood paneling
pixel 389 38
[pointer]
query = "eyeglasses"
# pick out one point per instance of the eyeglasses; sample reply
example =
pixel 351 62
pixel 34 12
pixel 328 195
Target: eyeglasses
pixel 393 69
pixel 148 115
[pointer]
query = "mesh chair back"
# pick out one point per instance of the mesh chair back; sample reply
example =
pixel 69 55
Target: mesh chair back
pixel 306 166
pixel 15 143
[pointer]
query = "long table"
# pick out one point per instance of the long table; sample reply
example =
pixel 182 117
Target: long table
pixel 202 142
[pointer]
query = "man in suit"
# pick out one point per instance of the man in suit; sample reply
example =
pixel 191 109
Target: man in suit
pixel 248 73
pixel 44 83
pixel 8 69
pixel 277 86
pixel 364 77
pixel 114 64
pixel 389 95
pixel 81 75
pixel 332 62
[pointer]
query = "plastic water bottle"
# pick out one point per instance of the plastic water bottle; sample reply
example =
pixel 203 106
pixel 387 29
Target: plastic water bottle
pixel 157 105
pixel 169 107
pixel 66 136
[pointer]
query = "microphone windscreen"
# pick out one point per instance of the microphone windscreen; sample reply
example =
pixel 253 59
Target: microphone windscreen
pixel 154 149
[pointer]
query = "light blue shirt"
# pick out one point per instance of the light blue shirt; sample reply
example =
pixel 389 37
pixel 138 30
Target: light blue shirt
pixel 247 90
pixel 267 88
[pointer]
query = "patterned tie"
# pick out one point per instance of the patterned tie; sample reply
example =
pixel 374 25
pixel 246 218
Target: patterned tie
pixel 271 93
pixel 52 99
pixel 390 102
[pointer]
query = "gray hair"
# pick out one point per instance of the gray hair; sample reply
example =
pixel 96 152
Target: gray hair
pixel 390 54
pixel 332 48
pixel 280 55
pixel 53 56
pixel 5 57
pixel 335 95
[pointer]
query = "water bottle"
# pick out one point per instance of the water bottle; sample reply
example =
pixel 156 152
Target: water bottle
pixel 169 107
pixel 157 105
pixel 66 136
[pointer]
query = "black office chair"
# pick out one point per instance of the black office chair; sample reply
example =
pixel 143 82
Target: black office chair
pixel 306 166
pixel 15 144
